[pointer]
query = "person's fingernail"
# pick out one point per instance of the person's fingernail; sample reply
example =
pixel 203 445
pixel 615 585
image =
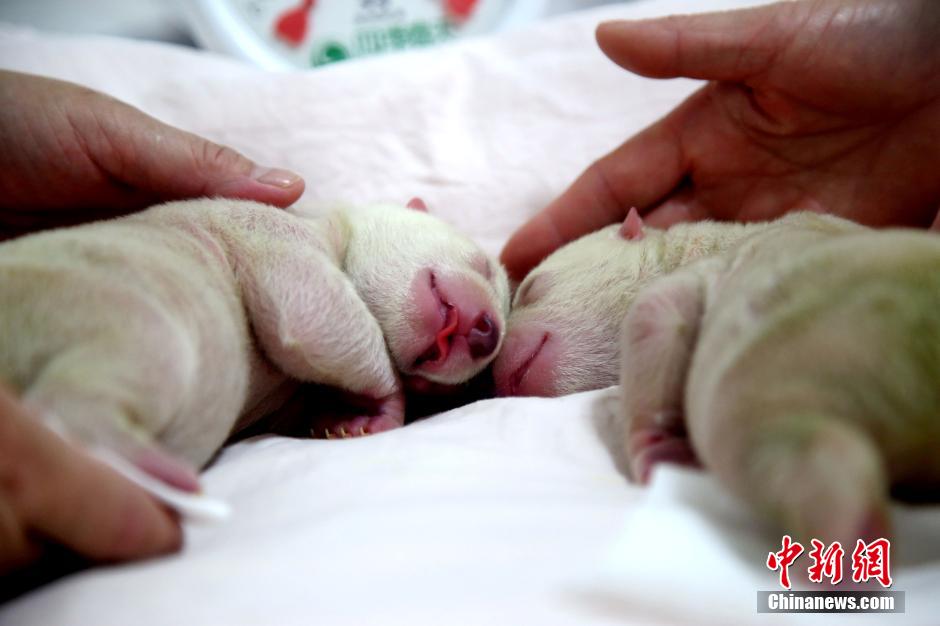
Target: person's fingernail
pixel 275 177
pixel 174 472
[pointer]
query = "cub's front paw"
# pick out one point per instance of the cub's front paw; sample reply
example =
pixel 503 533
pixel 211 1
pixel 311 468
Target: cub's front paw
pixel 360 417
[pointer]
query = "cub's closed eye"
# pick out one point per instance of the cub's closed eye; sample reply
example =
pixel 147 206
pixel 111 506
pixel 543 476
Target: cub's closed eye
pixel 482 265
pixel 529 291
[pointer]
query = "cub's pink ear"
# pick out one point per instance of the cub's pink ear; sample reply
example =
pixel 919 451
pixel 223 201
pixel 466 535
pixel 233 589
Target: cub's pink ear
pixel 632 227
pixel 417 204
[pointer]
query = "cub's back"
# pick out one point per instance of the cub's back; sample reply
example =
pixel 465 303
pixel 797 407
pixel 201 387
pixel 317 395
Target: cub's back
pixel 848 325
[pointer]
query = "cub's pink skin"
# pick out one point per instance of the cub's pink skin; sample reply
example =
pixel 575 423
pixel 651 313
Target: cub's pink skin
pixel 159 334
pixel 456 324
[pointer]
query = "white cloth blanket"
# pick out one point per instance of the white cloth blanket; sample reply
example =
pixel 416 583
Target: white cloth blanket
pixel 506 511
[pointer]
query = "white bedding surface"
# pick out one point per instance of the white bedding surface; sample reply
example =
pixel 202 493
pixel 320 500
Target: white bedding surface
pixel 502 512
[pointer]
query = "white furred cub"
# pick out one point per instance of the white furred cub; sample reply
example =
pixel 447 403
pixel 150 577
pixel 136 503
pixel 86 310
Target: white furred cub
pixel 180 324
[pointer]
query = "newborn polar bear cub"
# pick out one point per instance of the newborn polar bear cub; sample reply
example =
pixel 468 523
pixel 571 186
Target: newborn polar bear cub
pixel 182 323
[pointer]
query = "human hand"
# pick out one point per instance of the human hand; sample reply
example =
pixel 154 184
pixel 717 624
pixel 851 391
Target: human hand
pixel 69 154
pixel 52 492
pixel 826 105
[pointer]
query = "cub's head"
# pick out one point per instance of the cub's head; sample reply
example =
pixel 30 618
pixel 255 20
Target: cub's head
pixel 441 301
pixel 564 328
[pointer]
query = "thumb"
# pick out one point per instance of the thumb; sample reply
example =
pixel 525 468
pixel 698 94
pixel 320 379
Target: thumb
pixel 107 158
pixel 170 163
pixel 727 46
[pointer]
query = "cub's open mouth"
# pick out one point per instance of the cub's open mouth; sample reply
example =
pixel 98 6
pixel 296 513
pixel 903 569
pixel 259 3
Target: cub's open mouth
pixel 439 349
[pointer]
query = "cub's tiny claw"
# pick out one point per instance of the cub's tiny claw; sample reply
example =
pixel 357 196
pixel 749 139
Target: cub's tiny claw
pixel 328 434
pixel 362 431
pixel 343 433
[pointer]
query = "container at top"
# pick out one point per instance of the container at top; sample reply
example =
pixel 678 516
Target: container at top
pixel 284 34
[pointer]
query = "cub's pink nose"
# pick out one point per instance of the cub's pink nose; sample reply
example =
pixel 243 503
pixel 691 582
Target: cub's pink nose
pixel 483 337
